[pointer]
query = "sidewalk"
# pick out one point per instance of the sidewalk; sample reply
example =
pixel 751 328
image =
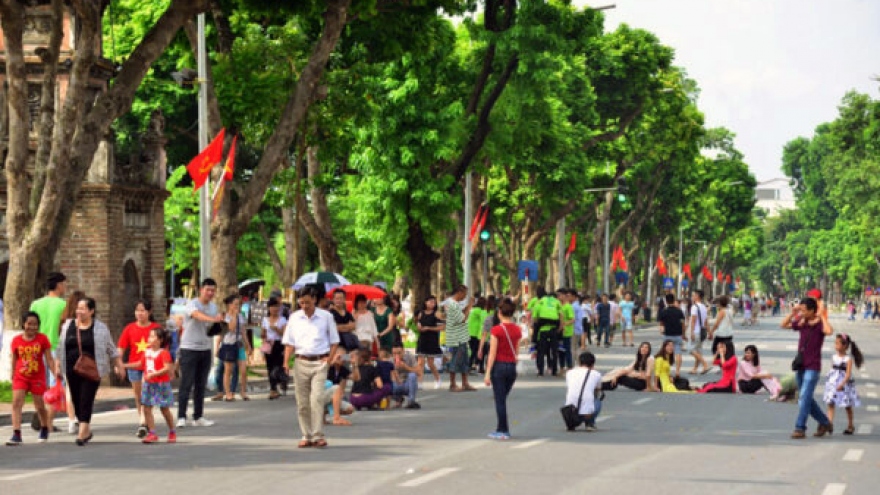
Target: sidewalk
pixel 112 398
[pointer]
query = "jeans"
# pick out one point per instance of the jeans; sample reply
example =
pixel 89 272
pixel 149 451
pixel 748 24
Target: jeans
pixel 194 369
pixel 603 328
pixel 565 356
pixel 503 377
pixel 590 419
pixel 807 405
pixel 409 387
pixel 547 350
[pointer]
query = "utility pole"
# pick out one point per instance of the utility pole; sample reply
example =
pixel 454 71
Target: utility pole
pixel 468 222
pixel 560 253
pixel 204 193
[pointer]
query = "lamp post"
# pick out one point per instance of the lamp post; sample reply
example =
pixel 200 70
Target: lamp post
pixel 204 194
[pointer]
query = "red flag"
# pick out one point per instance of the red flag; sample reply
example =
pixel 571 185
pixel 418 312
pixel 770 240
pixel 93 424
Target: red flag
pixel 199 168
pixel 572 244
pixel 661 266
pixel 707 274
pixel 687 270
pixel 720 275
pixel 727 280
pixel 478 219
pixel 229 168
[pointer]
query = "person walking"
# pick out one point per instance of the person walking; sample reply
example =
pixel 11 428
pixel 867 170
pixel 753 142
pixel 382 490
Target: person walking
pixel 234 349
pixel 602 316
pixel 29 350
pixel 195 353
pixel 135 340
pixel 697 334
pixel 813 328
pixel 311 337
pixel 840 389
pixel 50 308
pixel 87 336
pixel 272 327
pixel 501 365
pixel 428 344
pixel 672 320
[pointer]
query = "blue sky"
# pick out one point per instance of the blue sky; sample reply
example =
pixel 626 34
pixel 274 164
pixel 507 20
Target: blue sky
pixel 769 70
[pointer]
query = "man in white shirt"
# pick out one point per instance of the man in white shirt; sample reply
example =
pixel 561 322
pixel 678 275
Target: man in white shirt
pixel 584 383
pixel 312 337
pixel 699 316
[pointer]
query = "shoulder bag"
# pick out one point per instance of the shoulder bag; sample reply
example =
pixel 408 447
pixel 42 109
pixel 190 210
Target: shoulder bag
pixel 703 331
pixel 85 365
pixel 228 353
pixel 571 413
pixel 797 364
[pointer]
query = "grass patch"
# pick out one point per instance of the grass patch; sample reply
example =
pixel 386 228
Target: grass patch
pixel 6 393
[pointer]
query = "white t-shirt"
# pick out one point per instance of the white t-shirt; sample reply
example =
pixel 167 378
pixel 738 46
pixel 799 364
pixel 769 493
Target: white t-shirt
pixel 614 309
pixel 704 313
pixel 574 380
pixel 271 334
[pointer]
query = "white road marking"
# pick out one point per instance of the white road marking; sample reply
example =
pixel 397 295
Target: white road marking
pixel 871 395
pixel 853 455
pixel 791 347
pixel 217 439
pixel 865 375
pixel 871 385
pixel 41 472
pixel 873 408
pixel 421 480
pixel 604 418
pixel 834 489
pixel 530 444
pixel 641 401
pixel 865 429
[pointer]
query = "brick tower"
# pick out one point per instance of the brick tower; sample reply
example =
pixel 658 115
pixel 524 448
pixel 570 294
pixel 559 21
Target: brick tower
pixel 114 247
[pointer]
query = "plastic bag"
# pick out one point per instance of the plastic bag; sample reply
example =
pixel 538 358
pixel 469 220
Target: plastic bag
pixel 56 398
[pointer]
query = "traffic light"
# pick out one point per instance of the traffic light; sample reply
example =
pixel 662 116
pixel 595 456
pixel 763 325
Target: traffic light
pixel 622 189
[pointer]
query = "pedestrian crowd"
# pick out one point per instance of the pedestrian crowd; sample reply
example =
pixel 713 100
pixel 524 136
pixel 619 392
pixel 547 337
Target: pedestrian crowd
pixel 342 361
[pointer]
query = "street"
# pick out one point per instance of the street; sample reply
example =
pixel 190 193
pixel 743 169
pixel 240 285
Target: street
pixel 646 443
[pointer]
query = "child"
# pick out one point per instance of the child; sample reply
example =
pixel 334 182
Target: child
pixel 156 391
pixel 840 389
pixel 29 375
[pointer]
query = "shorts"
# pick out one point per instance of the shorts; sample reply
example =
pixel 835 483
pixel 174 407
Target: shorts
pixel 695 345
pixel 37 387
pixel 157 394
pixel 135 376
pixel 458 363
pixel 627 324
pixel 677 341
pixel 242 354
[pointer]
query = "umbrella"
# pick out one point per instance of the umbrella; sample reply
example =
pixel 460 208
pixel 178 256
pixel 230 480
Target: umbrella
pixel 329 279
pixel 250 286
pixel 352 290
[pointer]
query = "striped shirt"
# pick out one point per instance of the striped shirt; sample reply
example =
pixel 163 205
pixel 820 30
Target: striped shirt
pixel 456 323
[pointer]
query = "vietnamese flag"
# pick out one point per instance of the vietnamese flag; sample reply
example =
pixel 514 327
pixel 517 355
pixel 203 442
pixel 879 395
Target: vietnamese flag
pixel 661 266
pixel 727 280
pixel 572 244
pixel 199 168
pixel 687 270
pixel 479 220
pixel 217 198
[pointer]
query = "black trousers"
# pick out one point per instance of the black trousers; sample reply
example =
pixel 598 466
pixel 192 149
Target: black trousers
pixel 194 369
pixel 587 332
pixel 274 360
pixel 82 393
pixel 750 386
pixel 633 383
pixel 474 344
pixel 548 344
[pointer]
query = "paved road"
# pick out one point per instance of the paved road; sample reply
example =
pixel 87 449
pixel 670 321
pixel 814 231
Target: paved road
pixel 647 443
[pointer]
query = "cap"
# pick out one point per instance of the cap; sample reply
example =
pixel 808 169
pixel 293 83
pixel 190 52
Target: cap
pixel 814 293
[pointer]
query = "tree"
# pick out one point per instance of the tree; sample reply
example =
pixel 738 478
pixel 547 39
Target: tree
pixel 41 201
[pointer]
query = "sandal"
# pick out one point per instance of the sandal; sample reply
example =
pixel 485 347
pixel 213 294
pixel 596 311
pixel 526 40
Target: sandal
pixel 469 389
pixel 849 431
pixel 304 444
pixel 455 389
pixel 245 398
pixel 229 399
pixel 320 443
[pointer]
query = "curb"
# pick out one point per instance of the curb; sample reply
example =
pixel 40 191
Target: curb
pixel 108 405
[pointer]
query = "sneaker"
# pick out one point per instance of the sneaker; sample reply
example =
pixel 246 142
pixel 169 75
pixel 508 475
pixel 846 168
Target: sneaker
pixel 495 435
pixel 413 405
pixel 172 437
pixel 505 436
pixel 181 422
pixel 15 440
pixel 44 435
pixel 150 438
pixel 141 431
pixel 203 422
pixel 72 427
pixel 591 427
pixel 437 384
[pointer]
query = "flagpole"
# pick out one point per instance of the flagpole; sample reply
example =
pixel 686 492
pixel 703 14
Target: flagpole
pixel 204 194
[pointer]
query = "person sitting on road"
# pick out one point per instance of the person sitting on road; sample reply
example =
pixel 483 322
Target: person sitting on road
pixel 366 391
pixel 586 378
pixel 337 376
pixel 405 378
pixel 385 367
pixel 726 359
pixel 751 378
pixel 662 365
pixel 638 375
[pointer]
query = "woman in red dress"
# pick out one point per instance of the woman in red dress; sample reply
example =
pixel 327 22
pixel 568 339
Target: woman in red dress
pixel 727 361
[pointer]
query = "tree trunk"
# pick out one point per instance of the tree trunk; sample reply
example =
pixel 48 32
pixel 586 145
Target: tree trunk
pixel 422 257
pixel 233 222
pixel 318 223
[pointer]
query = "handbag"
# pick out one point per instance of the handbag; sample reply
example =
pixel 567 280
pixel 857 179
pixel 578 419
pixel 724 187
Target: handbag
pixel 703 331
pixel 571 413
pixel 228 353
pixel 797 364
pixel 85 365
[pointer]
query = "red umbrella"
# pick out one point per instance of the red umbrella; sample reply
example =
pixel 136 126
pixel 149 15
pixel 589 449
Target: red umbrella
pixel 351 291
